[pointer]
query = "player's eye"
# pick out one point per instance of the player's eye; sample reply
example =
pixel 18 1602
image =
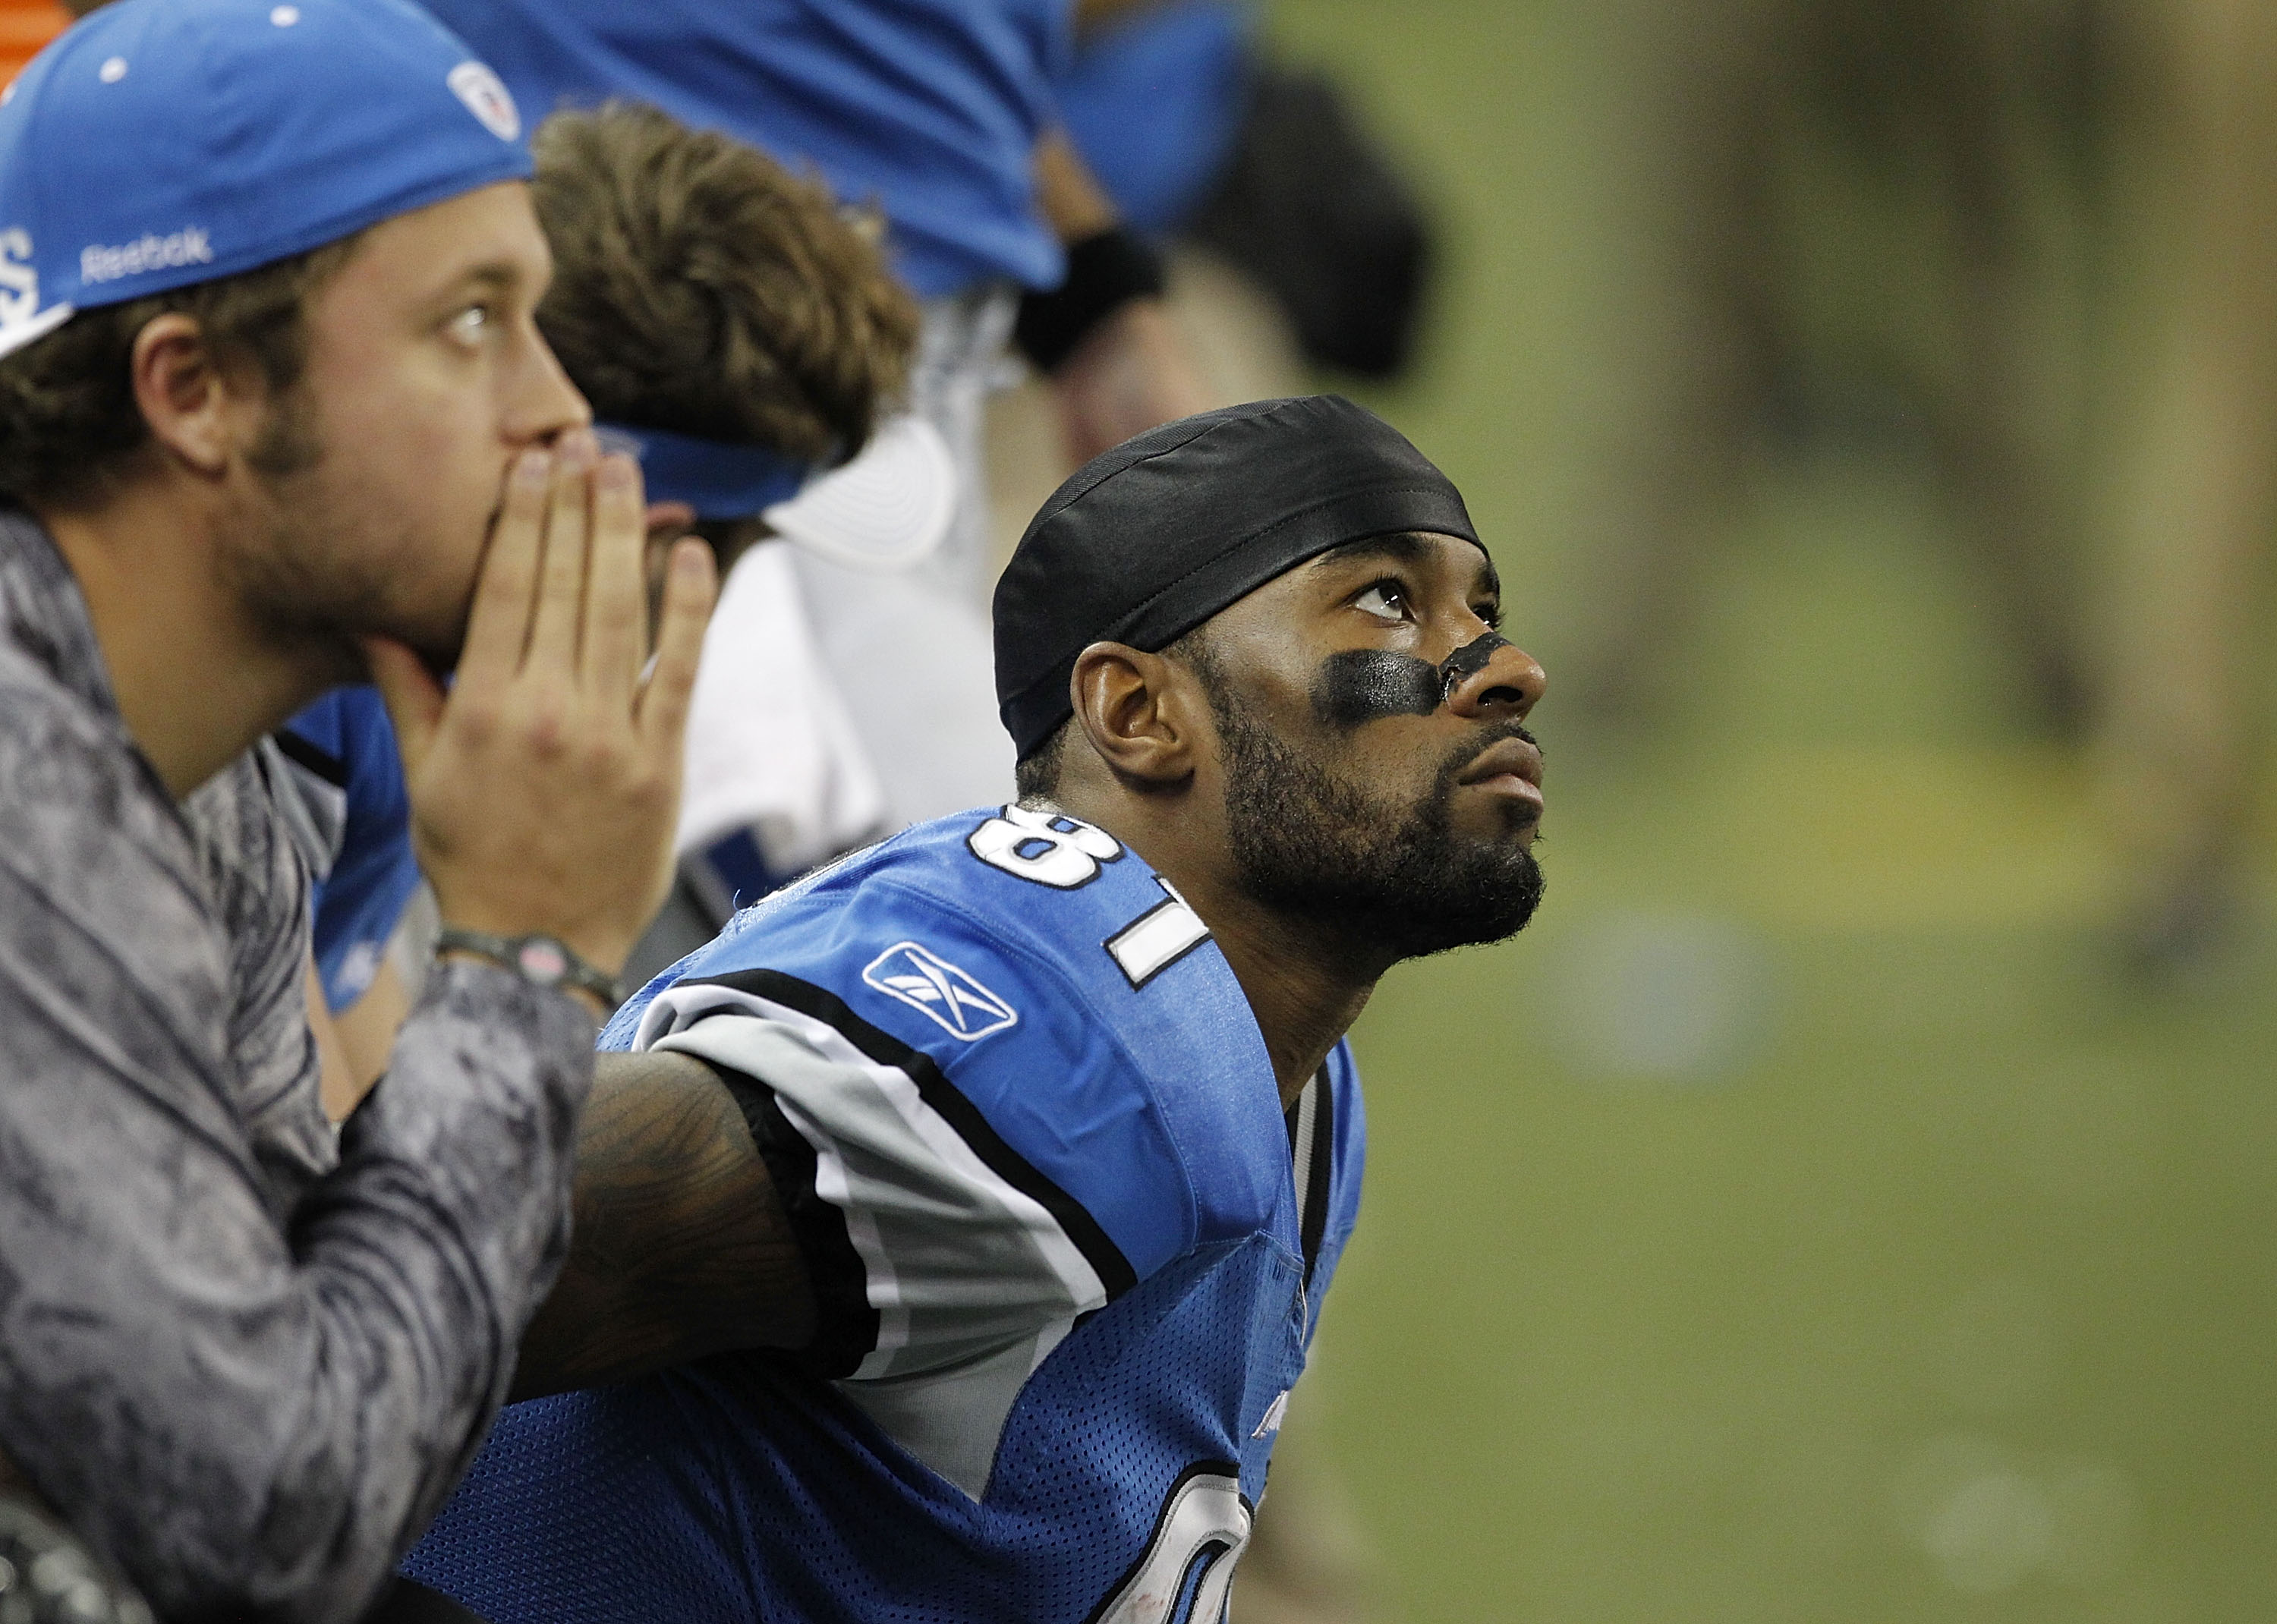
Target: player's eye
pixel 1386 600
pixel 468 324
pixel 1491 613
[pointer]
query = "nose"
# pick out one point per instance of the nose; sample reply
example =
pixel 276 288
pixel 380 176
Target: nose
pixel 1509 685
pixel 545 403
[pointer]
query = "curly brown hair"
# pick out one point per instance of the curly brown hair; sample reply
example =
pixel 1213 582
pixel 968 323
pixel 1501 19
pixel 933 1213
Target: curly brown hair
pixel 68 419
pixel 700 287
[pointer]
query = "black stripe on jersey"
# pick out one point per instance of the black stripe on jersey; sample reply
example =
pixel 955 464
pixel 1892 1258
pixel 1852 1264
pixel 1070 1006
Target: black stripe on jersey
pixel 300 753
pixel 845 1322
pixel 1315 1220
pixel 933 1087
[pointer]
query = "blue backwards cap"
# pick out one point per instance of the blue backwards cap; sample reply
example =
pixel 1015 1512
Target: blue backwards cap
pixel 164 142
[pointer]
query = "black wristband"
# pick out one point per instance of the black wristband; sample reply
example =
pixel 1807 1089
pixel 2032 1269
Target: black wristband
pixel 1104 273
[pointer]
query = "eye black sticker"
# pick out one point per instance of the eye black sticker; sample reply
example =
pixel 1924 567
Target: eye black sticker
pixel 1468 661
pixel 1364 685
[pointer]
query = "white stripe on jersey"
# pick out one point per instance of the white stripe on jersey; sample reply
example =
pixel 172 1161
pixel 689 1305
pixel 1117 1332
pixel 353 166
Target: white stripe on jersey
pixel 973 1280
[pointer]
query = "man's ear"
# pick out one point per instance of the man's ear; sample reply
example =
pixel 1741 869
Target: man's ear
pixel 1142 713
pixel 194 414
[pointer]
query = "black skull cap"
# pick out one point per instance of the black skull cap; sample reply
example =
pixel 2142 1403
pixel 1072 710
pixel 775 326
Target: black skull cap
pixel 1146 541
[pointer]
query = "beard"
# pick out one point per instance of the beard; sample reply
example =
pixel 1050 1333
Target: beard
pixel 1382 876
pixel 312 578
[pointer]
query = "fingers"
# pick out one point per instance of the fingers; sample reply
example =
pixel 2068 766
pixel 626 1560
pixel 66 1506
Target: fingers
pixel 558 618
pixel 415 699
pixel 562 597
pixel 688 588
pixel 497 626
pixel 616 592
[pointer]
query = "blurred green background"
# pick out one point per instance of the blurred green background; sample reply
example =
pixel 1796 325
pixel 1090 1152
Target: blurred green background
pixel 1806 1218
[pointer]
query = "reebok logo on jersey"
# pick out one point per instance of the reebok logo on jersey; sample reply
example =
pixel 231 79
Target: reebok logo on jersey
pixel 151 251
pixel 924 981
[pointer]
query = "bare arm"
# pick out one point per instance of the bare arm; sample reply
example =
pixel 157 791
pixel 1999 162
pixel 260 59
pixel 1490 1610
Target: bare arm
pixel 366 1028
pixel 1074 204
pixel 680 1247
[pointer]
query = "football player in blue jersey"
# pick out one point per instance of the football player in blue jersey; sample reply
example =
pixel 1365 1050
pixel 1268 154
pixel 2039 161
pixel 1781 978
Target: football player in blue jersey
pixel 1023 1146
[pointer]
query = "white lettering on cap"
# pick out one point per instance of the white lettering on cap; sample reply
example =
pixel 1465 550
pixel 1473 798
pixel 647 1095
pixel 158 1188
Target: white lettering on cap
pixel 19 278
pixel 21 319
pixel 148 253
pixel 486 98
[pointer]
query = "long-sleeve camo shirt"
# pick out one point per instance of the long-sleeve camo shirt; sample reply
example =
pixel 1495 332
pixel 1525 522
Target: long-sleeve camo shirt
pixel 245 1360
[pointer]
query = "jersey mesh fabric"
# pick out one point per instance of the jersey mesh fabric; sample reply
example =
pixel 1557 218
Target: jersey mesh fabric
pixel 740 1489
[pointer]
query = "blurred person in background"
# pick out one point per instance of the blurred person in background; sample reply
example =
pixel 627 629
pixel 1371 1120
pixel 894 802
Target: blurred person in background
pixel 258 404
pixel 938 113
pixel 1205 141
pixel 1726 110
pixel 743 336
pixel 2083 351
pixel 2191 498
pixel 1292 238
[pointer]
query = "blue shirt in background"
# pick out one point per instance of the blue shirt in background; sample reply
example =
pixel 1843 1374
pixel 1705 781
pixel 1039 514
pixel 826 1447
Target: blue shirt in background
pixel 346 739
pixel 1155 103
pixel 929 109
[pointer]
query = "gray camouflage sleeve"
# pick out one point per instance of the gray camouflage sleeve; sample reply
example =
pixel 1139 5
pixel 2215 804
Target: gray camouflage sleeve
pixel 252 1406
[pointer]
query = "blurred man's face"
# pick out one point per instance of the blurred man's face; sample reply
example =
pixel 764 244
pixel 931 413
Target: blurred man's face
pixel 1378 780
pixel 382 470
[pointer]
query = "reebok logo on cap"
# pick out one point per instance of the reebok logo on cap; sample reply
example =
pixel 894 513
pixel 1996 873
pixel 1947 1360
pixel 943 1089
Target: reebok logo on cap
pixel 187 246
pixel 486 98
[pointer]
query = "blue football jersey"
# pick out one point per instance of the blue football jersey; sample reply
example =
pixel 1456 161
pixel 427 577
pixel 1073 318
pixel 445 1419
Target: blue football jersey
pixel 1066 1246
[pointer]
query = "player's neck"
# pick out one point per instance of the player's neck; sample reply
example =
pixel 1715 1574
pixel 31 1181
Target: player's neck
pixel 196 684
pixel 1304 1000
pixel 1304 985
